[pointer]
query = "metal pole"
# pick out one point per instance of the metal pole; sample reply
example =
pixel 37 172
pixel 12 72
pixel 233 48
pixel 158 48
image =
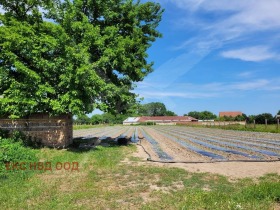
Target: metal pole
pixel 254 124
pixel 277 124
pixel 265 123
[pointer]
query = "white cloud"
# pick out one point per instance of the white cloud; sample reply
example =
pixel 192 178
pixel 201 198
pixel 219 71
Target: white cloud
pixel 260 84
pixel 235 21
pixel 207 90
pixel 174 68
pixel 256 53
pixel 248 18
pixel 163 94
pixel 188 4
pixel 250 12
pixel 200 46
pixel 246 74
pixel 250 85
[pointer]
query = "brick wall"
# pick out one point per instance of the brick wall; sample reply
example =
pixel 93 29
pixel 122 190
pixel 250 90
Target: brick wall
pixel 52 131
pixel 222 123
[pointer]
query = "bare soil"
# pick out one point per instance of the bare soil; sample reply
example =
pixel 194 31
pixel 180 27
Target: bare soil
pixel 178 152
pixel 233 170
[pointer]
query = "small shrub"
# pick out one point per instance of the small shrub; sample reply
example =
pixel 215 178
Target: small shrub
pixel 19 136
pixel 13 151
pixel 146 123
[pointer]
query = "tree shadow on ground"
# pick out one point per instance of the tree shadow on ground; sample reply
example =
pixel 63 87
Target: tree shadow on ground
pixel 81 145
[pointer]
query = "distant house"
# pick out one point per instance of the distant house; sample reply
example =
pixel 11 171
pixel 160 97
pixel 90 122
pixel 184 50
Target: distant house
pixel 230 114
pixel 159 120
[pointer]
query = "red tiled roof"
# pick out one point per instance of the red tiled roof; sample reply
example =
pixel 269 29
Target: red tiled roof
pixel 167 119
pixel 230 114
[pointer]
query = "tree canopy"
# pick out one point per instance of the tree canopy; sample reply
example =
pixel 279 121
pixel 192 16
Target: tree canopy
pixel 170 113
pixel 260 118
pixel 88 56
pixel 105 118
pixel 155 109
pixel 204 115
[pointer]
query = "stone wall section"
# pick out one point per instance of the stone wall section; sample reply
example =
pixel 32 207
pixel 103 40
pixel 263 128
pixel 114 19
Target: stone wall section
pixel 53 131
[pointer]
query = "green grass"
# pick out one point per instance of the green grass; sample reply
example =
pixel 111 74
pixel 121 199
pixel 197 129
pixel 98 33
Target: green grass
pixel 105 182
pixel 79 127
pixel 250 127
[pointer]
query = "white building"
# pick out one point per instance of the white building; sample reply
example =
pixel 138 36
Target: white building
pixel 131 121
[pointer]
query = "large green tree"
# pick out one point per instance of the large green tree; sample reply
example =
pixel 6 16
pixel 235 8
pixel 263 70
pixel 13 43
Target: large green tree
pixel 87 55
pixel 170 113
pixel 193 114
pixel 204 115
pixel 260 118
pixel 154 109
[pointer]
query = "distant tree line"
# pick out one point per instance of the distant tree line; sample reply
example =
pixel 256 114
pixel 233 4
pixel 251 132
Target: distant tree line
pixel 149 109
pixel 159 109
pixel 259 119
pixel 105 118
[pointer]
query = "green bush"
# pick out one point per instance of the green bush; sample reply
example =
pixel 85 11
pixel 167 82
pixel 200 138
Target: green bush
pixel 19 136
pixel 147 123
pixel 13 151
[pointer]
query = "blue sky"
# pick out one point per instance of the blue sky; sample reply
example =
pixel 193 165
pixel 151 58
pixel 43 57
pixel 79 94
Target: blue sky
pixel 216 55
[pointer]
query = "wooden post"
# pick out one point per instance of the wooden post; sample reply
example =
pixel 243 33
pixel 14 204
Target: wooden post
pixel 265 123
pixel 277 124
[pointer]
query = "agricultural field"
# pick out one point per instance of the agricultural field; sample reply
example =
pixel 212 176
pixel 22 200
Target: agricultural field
pixel 188 144
pixel 236 154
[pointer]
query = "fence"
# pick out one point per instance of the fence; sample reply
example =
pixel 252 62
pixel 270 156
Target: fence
pixel 264 126
pixel 56 131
